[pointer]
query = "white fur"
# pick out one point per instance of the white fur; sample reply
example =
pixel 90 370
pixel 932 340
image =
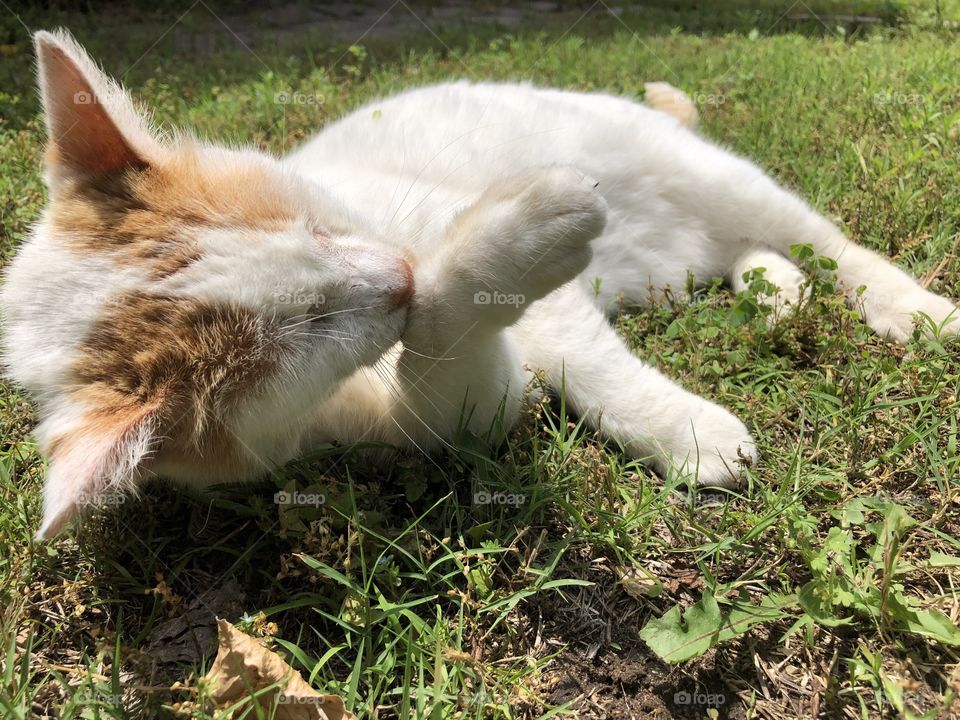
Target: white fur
pixel 677 204
pixel 528 214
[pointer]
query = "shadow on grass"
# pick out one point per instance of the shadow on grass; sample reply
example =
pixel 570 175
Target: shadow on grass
pixel 222 43
pixel 492 552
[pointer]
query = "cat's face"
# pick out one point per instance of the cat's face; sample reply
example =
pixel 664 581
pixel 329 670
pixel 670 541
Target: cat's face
pixel 180 308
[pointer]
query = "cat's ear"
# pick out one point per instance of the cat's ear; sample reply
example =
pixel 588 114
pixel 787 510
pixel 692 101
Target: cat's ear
pixel 95 459
pixel 92 124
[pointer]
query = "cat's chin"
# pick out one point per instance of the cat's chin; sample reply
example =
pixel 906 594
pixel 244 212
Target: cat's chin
pixel 375 345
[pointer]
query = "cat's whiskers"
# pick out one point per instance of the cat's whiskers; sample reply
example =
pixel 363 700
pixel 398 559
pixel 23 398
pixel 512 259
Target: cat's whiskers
pixel 343 310
pixel 418 447
pixel 328 331
pixel 429 193
pixel 312 318
pixel 427 164
pixel 299 325
pixel 416 386
pixel 344 342
pixel 417 234
pixel 391 384
pixel 447 176
pixel 427 357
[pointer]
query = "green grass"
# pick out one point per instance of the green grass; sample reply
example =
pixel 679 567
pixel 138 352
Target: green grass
pixel 409 599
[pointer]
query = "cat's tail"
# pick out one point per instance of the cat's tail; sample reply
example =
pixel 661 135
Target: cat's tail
pixel 666 98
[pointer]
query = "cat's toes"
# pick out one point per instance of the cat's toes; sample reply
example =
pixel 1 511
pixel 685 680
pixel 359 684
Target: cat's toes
pixel 524 237
pixel 534 229
pixel 894 316
pixel 562 201
pixel 560 211
pixel 715 448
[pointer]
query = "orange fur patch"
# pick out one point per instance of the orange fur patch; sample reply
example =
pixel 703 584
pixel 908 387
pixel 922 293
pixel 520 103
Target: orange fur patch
pixel 184 361
pixel 148 216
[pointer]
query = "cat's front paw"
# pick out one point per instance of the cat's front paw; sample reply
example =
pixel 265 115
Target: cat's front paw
pixel 893 315
pixel 712 446
pixel 546 218
pixel 524 237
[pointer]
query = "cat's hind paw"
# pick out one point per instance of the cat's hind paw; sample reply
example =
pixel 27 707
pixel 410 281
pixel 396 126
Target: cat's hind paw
pixel 894 316
pixel 713 447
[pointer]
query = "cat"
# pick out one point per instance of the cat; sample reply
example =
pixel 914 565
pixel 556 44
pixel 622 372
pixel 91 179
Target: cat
pixel 205 314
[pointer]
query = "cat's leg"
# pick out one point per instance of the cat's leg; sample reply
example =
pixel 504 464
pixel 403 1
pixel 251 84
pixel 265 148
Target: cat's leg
pixel 742 215
pixel 748 211
pixel 890 298
pixel 655 420
pixel 524 237
pixel 779 271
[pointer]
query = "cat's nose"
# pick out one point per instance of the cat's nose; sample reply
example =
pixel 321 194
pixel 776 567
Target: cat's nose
pixel 405 293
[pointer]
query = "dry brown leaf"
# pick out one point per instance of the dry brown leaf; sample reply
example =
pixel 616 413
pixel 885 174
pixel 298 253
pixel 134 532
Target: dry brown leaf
pixel 639 583
pixel 243 665
pixel 192 634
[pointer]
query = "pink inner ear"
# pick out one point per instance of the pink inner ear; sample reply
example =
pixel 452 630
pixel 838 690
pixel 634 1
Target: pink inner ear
pixel 83 135
pixel 72 483
pixel 98 464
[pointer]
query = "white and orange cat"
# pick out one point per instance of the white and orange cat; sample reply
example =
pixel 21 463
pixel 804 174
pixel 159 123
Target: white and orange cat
pixel 204 314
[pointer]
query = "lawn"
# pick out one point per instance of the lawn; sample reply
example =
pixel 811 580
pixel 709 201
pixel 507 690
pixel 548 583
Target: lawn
pixel 548 576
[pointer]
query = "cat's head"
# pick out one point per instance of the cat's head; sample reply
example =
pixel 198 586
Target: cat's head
pixel 179 308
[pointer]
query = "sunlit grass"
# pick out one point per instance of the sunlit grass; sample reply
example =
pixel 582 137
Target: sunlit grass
pixel 408 598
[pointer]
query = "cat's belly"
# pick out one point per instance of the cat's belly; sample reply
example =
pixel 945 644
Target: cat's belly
pixel 640 254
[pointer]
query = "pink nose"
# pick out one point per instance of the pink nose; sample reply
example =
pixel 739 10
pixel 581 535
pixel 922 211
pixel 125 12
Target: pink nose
pixel 405 293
